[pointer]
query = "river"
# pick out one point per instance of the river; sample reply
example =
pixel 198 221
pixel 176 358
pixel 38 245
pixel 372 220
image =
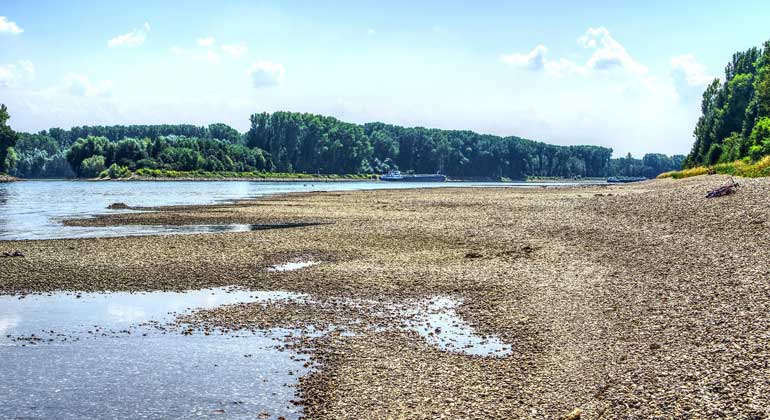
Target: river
pixel 35 209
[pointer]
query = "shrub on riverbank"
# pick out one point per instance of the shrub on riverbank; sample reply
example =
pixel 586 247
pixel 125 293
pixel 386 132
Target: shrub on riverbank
pixel 745 168
pixel 115 172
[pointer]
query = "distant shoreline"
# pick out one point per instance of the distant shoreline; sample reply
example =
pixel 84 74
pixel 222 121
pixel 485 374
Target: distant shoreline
pixel 588 181
pixel 254 179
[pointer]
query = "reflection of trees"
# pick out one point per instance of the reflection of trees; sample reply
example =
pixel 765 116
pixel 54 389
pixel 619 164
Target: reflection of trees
pixel 4 194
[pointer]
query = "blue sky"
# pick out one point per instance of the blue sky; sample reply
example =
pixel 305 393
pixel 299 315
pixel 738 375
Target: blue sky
pixel 627 75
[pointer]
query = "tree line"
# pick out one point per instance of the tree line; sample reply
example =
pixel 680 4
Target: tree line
pixel 735 120
pixel 290 142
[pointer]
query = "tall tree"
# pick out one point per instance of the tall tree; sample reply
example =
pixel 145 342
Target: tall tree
pixel 732 111
pixel 8 139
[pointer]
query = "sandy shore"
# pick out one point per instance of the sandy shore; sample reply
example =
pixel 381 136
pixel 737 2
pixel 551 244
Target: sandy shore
pixel 633 301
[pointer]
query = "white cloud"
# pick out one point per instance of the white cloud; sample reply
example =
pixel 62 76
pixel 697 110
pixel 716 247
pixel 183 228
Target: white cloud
pixel 266 73
pixel 536 60
pixel 371 32
pixel 686 68
pixel 80 85
pixel 235 50
pixel 533 60
pixel 132 39
pixel 207 54
pixel 608 54
pixel 9 27
pixel 14 75
pixel 206 41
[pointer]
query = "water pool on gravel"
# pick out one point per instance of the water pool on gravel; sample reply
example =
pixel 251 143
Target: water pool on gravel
pixel 438 322
pixel 292 266
pixel 72 356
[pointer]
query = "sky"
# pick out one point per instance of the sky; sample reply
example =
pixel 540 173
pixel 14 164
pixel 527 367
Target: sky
pixel 627 75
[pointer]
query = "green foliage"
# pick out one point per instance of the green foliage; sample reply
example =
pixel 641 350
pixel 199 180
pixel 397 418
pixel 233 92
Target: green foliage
pixel 732 110
pixel 731 148
pixel 163 173
pixel 8 139
pixel 91 167
pixel 286 143
pixel 118 132
pixel 649 166
pixel 312 143
pixel 176 153
pixel 743 167
pixel 40 156
pixel 84 149
pixel 756 152
pixel 714 153
pixel 115 172
pixel 760 136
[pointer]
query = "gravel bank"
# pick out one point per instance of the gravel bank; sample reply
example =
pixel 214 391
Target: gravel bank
pixel 635 301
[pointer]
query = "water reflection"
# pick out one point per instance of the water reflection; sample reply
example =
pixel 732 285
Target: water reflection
pixel 3 204
pixel 438 322
pixel 291 266
pixel 69 356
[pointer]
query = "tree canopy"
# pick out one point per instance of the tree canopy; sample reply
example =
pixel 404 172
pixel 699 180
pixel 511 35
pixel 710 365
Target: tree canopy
pixel 313 143
pixel 7 140
pixel 290 142
pixel 735 120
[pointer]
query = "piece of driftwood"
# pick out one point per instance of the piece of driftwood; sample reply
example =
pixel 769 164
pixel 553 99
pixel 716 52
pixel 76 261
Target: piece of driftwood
pixel 12 254
pixel 727 189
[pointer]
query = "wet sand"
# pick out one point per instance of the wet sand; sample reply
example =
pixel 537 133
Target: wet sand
pixel 633 301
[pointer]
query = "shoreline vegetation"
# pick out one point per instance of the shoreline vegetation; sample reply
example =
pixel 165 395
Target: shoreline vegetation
pixel 550 271
pixel 734 127
pixel 743 168
pixel 165 175
pixel 292 142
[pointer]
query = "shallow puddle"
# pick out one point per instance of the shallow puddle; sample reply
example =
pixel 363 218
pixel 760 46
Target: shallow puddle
pixel 291 266
pixel 145 230
pixel 438 322
pixel 75 355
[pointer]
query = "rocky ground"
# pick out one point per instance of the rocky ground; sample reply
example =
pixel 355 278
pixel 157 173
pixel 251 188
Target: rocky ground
pixel 636 301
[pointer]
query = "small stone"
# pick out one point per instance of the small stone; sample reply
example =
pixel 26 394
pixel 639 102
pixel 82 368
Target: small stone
pixel 573 415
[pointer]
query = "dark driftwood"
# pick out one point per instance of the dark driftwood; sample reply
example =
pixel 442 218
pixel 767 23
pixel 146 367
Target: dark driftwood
pixel 727 189
pixel 11 254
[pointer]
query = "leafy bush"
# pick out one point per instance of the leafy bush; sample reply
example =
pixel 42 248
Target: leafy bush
pixel 115 172
pixel 92 167
pixel 760 136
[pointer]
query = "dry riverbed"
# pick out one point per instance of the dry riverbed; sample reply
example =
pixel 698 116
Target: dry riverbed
pixel 636 301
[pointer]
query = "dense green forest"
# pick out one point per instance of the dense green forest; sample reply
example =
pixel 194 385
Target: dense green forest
pixel 7 140
pixel 735 121
pixel 288 142
pixel 310 143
